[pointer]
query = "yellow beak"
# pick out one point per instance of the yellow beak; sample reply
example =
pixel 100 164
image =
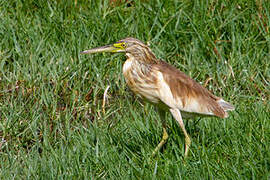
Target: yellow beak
pixel 108 48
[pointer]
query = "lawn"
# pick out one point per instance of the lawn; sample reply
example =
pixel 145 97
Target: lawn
pixel 54 123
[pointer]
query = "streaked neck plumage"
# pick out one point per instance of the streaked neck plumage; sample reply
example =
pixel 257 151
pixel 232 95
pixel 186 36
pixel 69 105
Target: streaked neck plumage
pixel 142 54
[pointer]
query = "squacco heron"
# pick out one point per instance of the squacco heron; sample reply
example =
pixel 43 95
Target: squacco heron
pixel 161 84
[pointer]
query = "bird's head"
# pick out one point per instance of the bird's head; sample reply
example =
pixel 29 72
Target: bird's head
pixel 131 46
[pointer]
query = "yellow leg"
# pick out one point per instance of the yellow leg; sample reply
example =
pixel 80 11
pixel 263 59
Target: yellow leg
pixel 187 145
pixel 177 116
pixel 163 140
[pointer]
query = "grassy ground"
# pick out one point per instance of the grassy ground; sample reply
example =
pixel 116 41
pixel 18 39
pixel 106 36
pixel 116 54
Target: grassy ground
pixel 51 118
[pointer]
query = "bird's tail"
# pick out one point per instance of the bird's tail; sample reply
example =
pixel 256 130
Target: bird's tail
pixel 225 105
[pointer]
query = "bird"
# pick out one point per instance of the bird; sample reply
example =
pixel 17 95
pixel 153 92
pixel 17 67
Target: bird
pixel 163 85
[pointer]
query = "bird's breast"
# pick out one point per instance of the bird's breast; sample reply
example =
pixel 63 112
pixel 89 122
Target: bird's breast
pixel 141 80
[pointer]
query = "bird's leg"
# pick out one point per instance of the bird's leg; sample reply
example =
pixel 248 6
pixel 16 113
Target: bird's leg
pixel 177 116
pixel 163 140
pixel 165 134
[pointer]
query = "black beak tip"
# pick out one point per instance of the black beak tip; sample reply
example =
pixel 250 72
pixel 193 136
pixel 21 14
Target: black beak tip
pixel 83 52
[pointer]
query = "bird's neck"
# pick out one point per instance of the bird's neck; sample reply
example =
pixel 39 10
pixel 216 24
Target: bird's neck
pixel 136 66
pixel 145 57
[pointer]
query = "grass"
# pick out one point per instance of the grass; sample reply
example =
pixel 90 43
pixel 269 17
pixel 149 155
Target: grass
pixel 51 120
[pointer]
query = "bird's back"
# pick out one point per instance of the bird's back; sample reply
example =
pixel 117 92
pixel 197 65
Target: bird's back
pixel 188 95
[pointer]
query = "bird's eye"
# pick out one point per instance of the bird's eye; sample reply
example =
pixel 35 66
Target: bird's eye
pixel 124 45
